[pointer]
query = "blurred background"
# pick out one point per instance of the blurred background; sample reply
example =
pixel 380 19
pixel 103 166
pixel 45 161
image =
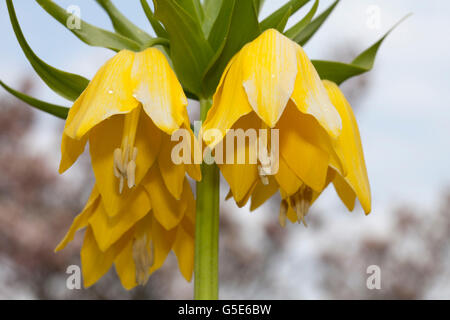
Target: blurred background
pixel 403 111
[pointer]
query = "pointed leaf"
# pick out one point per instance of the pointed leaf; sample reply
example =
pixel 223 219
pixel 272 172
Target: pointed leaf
pixel 211 9
pixel 88 33
pixel 243 17
pixel 58 111
pixel 194 8
pixel 189 50
pixel 122 25
pixel 294 31
pixel 258 5
pixel 67 85
pixel 282 23
pixel 274 19
pixel 221 27
pixel 156 25
pixel 335 71
pixel 307 33
pixel 338 72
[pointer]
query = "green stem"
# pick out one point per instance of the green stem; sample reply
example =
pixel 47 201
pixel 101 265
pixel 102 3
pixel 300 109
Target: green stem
pixel 206 270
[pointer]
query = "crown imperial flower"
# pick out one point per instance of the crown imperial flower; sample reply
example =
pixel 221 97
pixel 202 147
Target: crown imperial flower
pixel 141 206
pixel 271 84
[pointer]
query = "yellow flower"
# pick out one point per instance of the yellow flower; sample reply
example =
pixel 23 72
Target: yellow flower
pixel 271 84
pixel 141 206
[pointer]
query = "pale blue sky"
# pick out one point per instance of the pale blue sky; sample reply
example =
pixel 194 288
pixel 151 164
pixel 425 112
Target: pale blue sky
pixel 404 117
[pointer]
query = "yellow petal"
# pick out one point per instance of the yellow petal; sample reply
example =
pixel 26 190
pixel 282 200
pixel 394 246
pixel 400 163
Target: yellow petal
pixel 81 220
pixel 125 268
pixel 193 169
pixel 167 210
pixel 184 250
pixel 262 193
pixel 188 221
pixel 345 192
pixel 241 177
pixel 158 89
pixel 162 241
pixel 292 215
pixel 172 174
pixel 94 262
pixel 148 144
pixel 311 98
pixel 107 230
pixel 305 147
pixel 330 177
pixel 71 149
pixel 241 203
pixel 103 140
pixel 230 102
pixel 349 143
pixel 287 179
pixel 269 73
pixel 109 93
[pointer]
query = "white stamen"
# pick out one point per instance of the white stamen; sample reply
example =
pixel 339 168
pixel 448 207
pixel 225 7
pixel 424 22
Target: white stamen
pixel 143 256
pixel 301 202
pixel 131 174
pixel 264 172
pixel 125 156
pixel 301 207
pixel 118 163
pixel 121 184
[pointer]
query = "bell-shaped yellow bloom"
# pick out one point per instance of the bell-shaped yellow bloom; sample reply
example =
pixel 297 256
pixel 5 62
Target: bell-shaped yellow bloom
pixel 141 206
pixel 350 184
pixel 271 84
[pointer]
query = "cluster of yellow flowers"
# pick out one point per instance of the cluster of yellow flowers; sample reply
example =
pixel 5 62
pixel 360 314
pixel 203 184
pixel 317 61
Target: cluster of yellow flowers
pixel 142 206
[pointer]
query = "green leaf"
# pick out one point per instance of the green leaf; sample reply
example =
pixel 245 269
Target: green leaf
pixel 211 9
pixel 221 27
pixel 194 8
pixel 122 25
pixel 156 25
pixel 338 72
pixel 274 19
pixel 282 24
pixel 236 25
pixel 189 50
pixel 88 33
pixel 58 111
pixel 309 31
pixel 67 85
pixel 294 31
pixel 258 5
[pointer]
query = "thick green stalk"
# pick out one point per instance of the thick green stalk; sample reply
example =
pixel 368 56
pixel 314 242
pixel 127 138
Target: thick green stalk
pixel 206 285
